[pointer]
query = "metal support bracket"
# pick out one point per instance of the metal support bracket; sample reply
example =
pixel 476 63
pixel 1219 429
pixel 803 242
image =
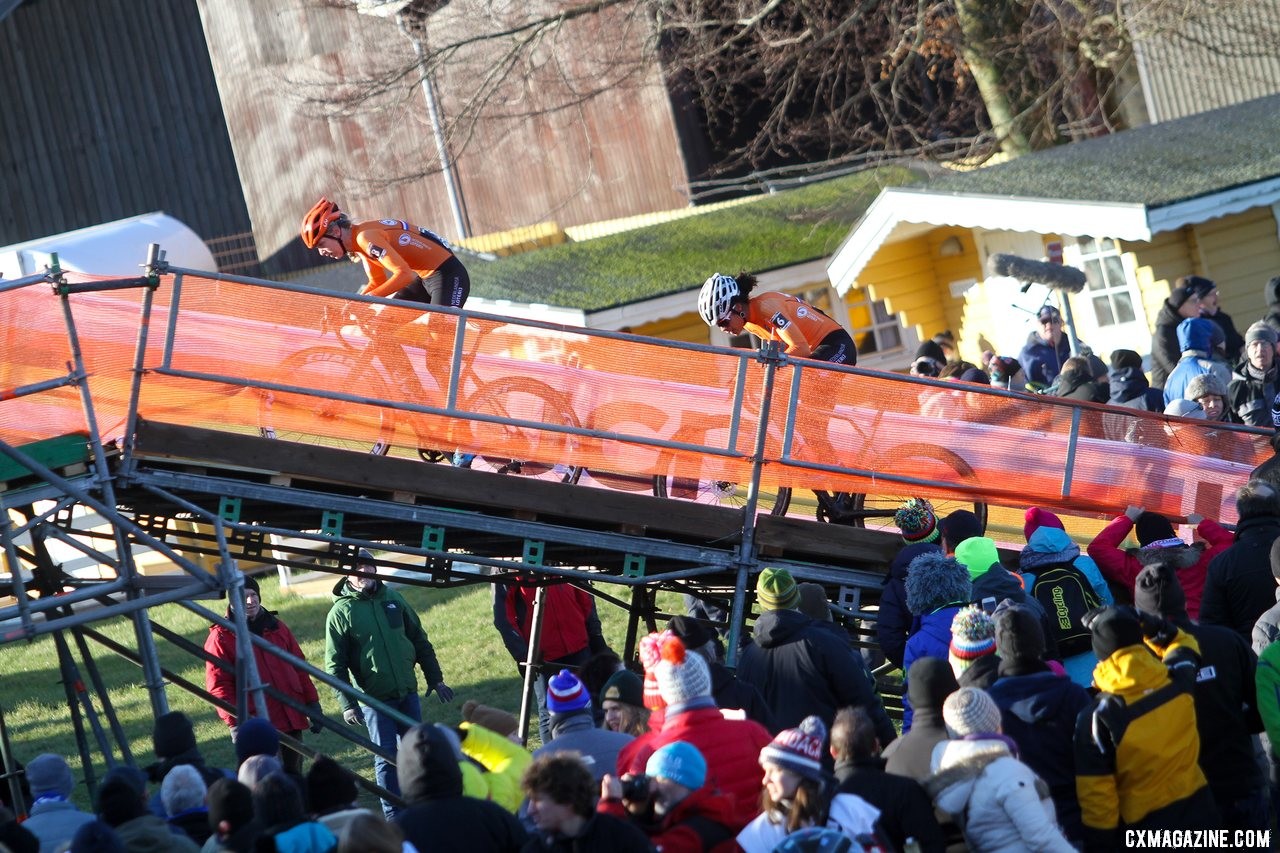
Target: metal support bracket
pixel 432 538
pixel 229 509
pixel 633 566
pixel 331 522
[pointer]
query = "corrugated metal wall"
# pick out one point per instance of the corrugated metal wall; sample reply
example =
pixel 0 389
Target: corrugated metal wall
pixel 1233 58
pixel 110 109
pixel 612 157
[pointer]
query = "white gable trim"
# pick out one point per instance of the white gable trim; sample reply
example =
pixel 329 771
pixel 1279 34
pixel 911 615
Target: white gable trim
pixel 894 212
pixel 1225 203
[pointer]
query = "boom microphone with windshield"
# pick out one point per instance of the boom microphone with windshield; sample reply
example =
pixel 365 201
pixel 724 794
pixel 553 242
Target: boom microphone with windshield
pixel 1055 276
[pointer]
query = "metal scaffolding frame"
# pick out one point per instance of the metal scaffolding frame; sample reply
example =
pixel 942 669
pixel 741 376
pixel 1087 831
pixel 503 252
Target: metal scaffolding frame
pixel 241 516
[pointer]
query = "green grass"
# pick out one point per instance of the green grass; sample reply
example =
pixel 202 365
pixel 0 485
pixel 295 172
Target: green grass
pixel 458 622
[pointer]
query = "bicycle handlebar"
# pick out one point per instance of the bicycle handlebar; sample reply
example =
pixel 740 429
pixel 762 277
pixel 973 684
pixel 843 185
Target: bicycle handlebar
pixel 334 319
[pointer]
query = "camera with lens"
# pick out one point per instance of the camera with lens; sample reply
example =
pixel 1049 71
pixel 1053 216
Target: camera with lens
pixel 637 788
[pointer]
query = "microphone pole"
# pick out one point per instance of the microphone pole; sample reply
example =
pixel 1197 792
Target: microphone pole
pixel 1065 279
pixel 1069 321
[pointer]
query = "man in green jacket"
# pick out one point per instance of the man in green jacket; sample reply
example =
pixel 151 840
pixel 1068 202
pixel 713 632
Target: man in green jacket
pixel 373 636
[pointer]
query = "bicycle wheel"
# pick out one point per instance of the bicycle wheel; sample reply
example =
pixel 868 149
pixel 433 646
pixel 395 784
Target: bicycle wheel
pixel 771 501
pixel 876 510
pixel 519 398
pixel 333 423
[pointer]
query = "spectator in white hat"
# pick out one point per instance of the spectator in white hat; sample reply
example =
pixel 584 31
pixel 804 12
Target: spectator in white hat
pixel 995 799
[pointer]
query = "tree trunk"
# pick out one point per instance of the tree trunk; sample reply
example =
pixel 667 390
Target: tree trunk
pixel 978 52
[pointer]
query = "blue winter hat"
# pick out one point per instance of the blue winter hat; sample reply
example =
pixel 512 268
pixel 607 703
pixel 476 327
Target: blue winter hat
pixel 934 580
pixel 566 693
pixel 256 736
pixel 680 762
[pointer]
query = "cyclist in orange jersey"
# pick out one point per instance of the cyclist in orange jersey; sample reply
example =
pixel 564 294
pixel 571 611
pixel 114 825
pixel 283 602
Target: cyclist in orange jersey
pixel 806 332
pixel 401 260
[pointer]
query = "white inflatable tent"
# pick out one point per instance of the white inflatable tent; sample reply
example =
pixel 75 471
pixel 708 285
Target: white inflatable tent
pixel 114 248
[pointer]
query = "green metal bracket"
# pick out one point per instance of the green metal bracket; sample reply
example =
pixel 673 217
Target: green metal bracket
pixel 331 523
pixel 633 566
pixel 432 538
pixel 229 509
pixel 533 551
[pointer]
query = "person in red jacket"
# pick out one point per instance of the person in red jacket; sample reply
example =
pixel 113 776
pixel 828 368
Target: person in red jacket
pixel 571 632
pixel 220 679
pixel 672 803
pixel 1155 534
pixel 731 747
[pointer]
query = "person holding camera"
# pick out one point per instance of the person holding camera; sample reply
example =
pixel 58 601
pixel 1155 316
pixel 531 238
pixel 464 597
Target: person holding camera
pixel 671 802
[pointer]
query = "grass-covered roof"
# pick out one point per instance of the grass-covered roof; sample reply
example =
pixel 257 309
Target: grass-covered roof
pixel 786 228
pixel 1154 165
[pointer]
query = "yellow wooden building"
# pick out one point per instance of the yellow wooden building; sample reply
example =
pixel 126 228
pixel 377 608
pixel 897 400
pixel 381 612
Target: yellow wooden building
pixel 1134 210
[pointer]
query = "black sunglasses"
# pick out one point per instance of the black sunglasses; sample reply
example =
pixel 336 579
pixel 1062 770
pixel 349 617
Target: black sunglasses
pixel 723 322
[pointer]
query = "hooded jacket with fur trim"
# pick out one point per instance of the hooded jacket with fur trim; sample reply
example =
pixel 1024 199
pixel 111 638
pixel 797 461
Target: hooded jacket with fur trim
pixel 1122 566
pixel 996 800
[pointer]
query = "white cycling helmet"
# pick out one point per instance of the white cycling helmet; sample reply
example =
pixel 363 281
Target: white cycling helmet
pixel 718 293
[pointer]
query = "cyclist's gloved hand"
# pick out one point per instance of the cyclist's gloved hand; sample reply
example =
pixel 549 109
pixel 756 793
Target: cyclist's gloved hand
pixel 359 312
pixel 352 717
pixel 443 691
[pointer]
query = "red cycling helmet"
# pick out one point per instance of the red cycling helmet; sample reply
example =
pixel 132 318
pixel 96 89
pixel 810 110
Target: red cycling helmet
pixel 317 221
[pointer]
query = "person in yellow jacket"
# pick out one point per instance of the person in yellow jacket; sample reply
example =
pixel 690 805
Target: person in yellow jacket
pixel 1137 749
pixel 491 765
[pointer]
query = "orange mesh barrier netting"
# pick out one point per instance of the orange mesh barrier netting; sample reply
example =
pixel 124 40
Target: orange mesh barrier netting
pixel 255 359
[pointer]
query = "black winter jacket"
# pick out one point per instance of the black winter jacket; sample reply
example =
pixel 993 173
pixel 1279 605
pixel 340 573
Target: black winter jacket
pixel 602 832
pixel 1249 396
pixel 1239 585
pixel 730 692
pixel 802 669
pixel 1038 709
pixel 438 816
pixel 1165 350
pixel 1234 341
pixel 894 622
pixel 905 809
pixel 999 583
pixel 1129 387
pixel 1226 711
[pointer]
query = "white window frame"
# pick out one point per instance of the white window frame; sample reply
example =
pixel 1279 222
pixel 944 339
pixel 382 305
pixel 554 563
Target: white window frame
pixel 860 297
pixel 1128 285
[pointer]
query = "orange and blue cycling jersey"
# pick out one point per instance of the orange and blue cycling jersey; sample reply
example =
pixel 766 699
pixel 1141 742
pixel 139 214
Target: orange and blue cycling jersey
pixel 396 253
pixel 774 316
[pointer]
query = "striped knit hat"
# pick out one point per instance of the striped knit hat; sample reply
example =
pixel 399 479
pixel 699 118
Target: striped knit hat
pixel 970 711
pixel 682 677
pixel 800 749
pixel 973 635
pixel 566 693
pixel 917 522
pixel 650 657
pixel 776 590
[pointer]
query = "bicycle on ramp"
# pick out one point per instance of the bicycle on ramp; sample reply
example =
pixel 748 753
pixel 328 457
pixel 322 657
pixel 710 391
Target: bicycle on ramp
pixel 875 510
pixel 364 362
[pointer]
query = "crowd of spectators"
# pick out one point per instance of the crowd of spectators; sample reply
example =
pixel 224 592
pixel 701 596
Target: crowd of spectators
pixel 1025 730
